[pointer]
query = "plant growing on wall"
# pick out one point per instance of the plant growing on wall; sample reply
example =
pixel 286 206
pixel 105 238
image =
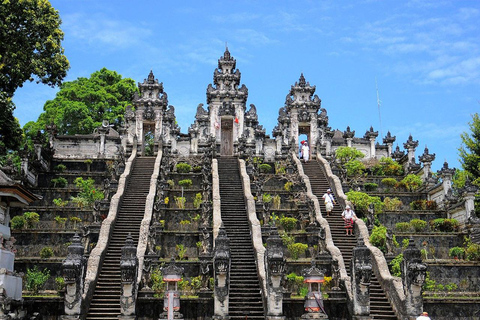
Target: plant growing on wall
pixel 88 193
pixel 31 219
pixel 456 252
pixel 378 237
pixel 46 253
pixel 389 183
pixel 280 168
pixel 60 221
pixel 412 182
pixel 183 167
pixel 17 222
pixel 297 249
pixel 265 168
pixel 186 183
pixel 444 225
pixel 58 202
pixel 402 226
pixel 390 204
pixel 59 182
pixel 370 186
pixel 60 167
pixel 361 201
pixel 35 279
pixel 180 202
pixel 288 186
pixel 197 201
pixel 158 285
pixel 288 223
pixel 75 220
pixel 171 183
pixel 181 251
pixel 266 197
pixel 395 265
pixel 418 225
pixel 59 283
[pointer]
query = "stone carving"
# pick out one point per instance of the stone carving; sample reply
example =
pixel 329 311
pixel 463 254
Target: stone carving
pixel 147 267
pixel 204 273
pixel 72 269
pixel 413 276
pixel 361 273
pixel 128 268
pixel 221 263
pixel 205 241
pixel 335 275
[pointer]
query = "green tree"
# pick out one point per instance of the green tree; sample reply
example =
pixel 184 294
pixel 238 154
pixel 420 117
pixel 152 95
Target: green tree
pixel 470 150
pixel 81 105
pixel 30 49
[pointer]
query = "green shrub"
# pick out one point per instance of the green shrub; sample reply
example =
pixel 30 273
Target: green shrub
pixel 388 167
pixel 75 220
pixel 402 226
pixel 346 154
pixel 181 251
pixel 61 221
pixel 183 167
pixel 417 205
pixel 361 201
pixel 17 222
pixel 180 201
pixel 35 279
pixel 88 193
pixel 46 253
pixel 389 182
pixel 354 168
pixel 395 264
pixel 288 186
pixel 456 252
pixel 31 219
pixel 279 168
pixel 197 201
pixel 297 249
pixel 288 223
pixel 186 183
pixel 390 204
pixel 472 250
pixel 197 169
pixel 294 282
pixel 60 167
pixel 267 197
pixel 286 239
pixel 412 182
pixel 444 225
pixel 59 202
pixel 158 285
pixel 378 237
pixel 265 168
pixel 369 186
pixel 418 225
pixel 430 205
pixel 59 283
pixel 59 182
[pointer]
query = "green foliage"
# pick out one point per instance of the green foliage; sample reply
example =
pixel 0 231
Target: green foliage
pixel 288 186
pixel 389 182
pixel 361 201
pixel 59 202
pixel 418 225
pixel 31 50
pixel 265 168
pixel 423 205
pixel 35 279
pixel 31 219
pixel 469 151
pixel 60 167
pixel 378 238
pixel 180 202
pixel 158 285
pixel 61 221
pixel 395 265
pixel 186 183
pixel 405 243
pixel 17 222
pixel 183 167
pixel 412 182
pixel 81 105
pixel 266 197
pixel 297 249
pixel 472 250
pixel 444 225
pixel 280 168
pixel 185 222
pixel 197 169
pixel 88 193
pixel 390 204
pixel 46 253
pixel 354 168
pixel 286 239
pixel 59 182
pixel 197 201
pixel 456 252
pixel 288 223
pixel 388 167
pixel 59 283
pixel 402 226
pixel 181 251
pixel 294 282
pixel 346 154
pixel 369 186
pixel 170 183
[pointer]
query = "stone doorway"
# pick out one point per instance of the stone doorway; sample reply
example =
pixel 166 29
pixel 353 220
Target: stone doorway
pixel 226 143
pixel 148 139
pixel 304 135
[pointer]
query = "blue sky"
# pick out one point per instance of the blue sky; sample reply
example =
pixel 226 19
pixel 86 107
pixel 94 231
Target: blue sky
pixel 425 56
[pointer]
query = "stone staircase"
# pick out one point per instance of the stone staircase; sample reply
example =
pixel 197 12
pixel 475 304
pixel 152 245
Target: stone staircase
pixel 245 301
pixel 380 307
pixel 105 303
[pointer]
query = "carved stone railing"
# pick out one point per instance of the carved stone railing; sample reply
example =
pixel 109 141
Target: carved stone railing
pixel 392 285
pixel 217 214
pixel 98 253
pixel 255 229
pixel 334 251
pixel 147 217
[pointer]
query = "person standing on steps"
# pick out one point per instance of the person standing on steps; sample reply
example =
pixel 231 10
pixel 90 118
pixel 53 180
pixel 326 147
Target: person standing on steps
pixel 305 152
pixel 424 316
pixel 349 217
pixel 329 201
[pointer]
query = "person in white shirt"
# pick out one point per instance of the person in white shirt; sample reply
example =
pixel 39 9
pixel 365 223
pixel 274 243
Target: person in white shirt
pixel 423 316
pixel 305 151
pixel 349 217
pixel 329 201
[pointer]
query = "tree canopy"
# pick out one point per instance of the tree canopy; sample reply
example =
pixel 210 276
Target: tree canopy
pixel 30 38
pixel 470 150
pixel 81 105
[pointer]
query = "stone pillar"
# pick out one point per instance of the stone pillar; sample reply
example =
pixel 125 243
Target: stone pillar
pixel 389 140
pixel 361 272
pixel 328 142
pixel 275 265
pixel 411 145
pixel 446 174
pixel 348 135
pixel 413 277
pixel 469 192
pixel 128 268
pixel 73 269
pixel 426 158
pixel 221 262
pixel 371 135
pixel 103 131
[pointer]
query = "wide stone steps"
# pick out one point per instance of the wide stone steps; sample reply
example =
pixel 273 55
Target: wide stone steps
pixel 105 303
pixel 380 307
pixel 245 299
